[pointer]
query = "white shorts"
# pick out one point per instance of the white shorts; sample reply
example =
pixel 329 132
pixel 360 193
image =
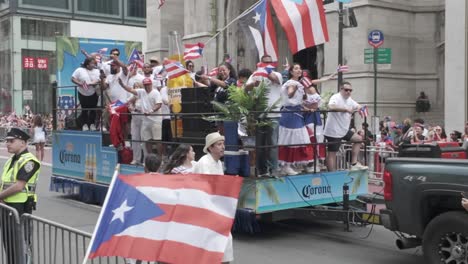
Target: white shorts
pixel 151 129
pixel 229 251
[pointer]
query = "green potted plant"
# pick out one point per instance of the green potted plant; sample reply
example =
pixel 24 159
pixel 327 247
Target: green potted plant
pixel 249 108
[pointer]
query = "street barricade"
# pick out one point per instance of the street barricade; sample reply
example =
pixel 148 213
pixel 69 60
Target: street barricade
pixel 12 242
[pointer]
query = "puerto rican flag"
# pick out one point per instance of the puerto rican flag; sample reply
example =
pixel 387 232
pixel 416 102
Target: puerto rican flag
pixel 135 57
pixel 112 107
pixel 259 29
pixel 303 21
pixel 193 51
pixel 167 218
pixel 342 68
pixel 174 69
pixel 364 111
pixel 213 72
pixel 263 69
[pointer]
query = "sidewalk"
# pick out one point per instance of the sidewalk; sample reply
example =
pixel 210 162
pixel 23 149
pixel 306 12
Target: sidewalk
pixel 47 153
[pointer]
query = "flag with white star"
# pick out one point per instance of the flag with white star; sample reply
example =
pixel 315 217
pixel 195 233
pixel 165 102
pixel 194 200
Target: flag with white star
pixel 155 217
pixel 259 30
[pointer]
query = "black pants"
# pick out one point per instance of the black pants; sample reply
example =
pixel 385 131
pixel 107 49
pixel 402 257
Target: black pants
pixel 88 117
pixel 10 237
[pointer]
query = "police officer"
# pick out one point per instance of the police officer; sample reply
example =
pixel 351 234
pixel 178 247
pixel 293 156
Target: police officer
pixel 18 187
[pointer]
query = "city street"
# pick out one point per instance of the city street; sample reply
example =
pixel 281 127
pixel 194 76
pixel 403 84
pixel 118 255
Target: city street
pixel 286 242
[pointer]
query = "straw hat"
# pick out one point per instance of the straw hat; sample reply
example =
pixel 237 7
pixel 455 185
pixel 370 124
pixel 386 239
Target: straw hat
pixel 211 139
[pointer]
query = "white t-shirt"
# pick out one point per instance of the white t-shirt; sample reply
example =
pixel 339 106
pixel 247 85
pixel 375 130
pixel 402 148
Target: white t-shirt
pixel 88 76
pixel 115 91
pixel 337 124
pixel 165 103
pixel 207 165
pixel 273 88
pixel 148 102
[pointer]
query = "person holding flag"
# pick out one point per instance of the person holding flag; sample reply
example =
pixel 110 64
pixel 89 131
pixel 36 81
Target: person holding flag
pixel 341 107
pixel 267 158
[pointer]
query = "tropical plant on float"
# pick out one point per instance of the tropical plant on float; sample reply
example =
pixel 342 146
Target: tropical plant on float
pixel 249 108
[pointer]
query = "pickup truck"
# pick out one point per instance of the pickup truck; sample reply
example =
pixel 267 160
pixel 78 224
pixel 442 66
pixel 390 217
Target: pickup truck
pixel 423 206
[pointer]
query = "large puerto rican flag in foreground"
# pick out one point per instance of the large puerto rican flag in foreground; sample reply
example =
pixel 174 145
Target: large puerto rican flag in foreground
pixel 303 21
pixel 168 218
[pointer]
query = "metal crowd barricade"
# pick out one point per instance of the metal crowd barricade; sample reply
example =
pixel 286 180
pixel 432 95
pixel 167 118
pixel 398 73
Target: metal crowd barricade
pixel 12 242
pixel 3 132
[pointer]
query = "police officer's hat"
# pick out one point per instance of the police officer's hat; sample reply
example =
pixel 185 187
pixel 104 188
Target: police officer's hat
pixel 17 133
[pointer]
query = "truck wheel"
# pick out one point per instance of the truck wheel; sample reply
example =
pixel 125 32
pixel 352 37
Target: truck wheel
pixel 445 239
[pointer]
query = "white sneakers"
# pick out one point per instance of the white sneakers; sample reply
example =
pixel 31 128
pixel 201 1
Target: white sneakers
pixel 92 127
pixel 358 166
pixel 85 128
pixel 289 171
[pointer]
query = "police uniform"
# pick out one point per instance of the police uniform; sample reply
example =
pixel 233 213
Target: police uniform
pixel 25 167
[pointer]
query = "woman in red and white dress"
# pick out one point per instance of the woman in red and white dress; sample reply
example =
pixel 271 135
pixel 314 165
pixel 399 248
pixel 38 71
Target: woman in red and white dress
pixel 292 129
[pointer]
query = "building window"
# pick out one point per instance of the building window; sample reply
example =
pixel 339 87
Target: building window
pixel 61 4
pixel 42 30
pixel 136 8
pixel 110 7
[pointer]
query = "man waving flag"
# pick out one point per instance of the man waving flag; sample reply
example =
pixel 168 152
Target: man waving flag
pixel 303 21
pixel 168 218
pixel 259 29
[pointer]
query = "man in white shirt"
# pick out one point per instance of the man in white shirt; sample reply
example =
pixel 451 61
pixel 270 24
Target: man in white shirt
pixel 150 104
pixel 166 133
pixel 337 127
pixel 211 164
pixel 267 158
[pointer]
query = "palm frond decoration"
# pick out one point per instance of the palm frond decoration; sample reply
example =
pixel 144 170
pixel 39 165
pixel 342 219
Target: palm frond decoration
pixel 248 107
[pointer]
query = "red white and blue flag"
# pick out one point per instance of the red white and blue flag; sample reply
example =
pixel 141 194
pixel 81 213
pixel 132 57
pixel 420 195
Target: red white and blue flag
pixel 303 21
pixel 135 57
pixel 264 69
pixel 213 72
pixel 167 218
pixel 193 51
pixel 112 107
pixel 161 3
pixel 174 69
pixel 364 111
pixel 342 68
pixel 259 29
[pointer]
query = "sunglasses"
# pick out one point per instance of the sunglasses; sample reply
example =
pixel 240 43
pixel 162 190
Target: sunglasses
pixel 347 90
pixel 116 54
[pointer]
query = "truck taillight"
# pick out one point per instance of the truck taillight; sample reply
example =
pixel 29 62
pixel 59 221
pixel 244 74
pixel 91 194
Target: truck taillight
pixel 388 186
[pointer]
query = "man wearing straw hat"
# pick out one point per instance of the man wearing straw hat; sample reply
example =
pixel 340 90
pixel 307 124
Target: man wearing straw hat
pixel 211 164
pixel 18 188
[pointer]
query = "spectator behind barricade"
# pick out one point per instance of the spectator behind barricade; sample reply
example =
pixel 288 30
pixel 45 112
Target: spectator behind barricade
pixel 422 103
pixel 226 77
pixel 385 145
pixel 417 136
pixel 87 78
pixel 337 126
pixel 398 136
pixel 151 102
pixel 465 134
pixel 244 75
pixel 406 125
pixel 211 164
pixel 267 158
pixel 455 136
pixel 181 161
pixel 440 135
pixel 292 129
pixel 152 163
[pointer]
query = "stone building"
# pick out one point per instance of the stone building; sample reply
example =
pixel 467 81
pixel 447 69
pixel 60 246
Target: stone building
pixel 414 31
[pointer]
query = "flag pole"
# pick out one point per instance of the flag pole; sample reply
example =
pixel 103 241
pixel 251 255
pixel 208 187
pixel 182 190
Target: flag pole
pixel 106 201
pixel 234 20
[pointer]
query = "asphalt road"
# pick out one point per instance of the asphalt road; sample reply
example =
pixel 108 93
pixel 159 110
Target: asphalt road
pixel 288 242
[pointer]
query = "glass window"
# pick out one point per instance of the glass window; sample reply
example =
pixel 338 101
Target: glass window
pixel 5 29
pixel 4 4
pixel 62 4
pixel 110 7
pixel 136 8
pixel 42 29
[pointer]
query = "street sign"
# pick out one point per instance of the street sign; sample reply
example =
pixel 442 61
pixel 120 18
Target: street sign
pixel 375 38
pixel 27 94
pixel 384 56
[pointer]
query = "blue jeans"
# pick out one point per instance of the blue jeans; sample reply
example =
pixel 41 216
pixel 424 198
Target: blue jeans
pixel 267 158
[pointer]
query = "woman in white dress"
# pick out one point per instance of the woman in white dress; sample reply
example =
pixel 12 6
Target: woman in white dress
pixel 39 136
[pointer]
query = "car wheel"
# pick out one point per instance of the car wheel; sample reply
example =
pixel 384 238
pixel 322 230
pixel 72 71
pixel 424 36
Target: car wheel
pixel 445 239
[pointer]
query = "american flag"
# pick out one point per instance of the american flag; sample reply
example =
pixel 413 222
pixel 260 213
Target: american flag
pixel 364 111
pixel 193 51
pixel 161 3
pixel 303 21
pixel 174 69
pixel 342 68
pixel 167 218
